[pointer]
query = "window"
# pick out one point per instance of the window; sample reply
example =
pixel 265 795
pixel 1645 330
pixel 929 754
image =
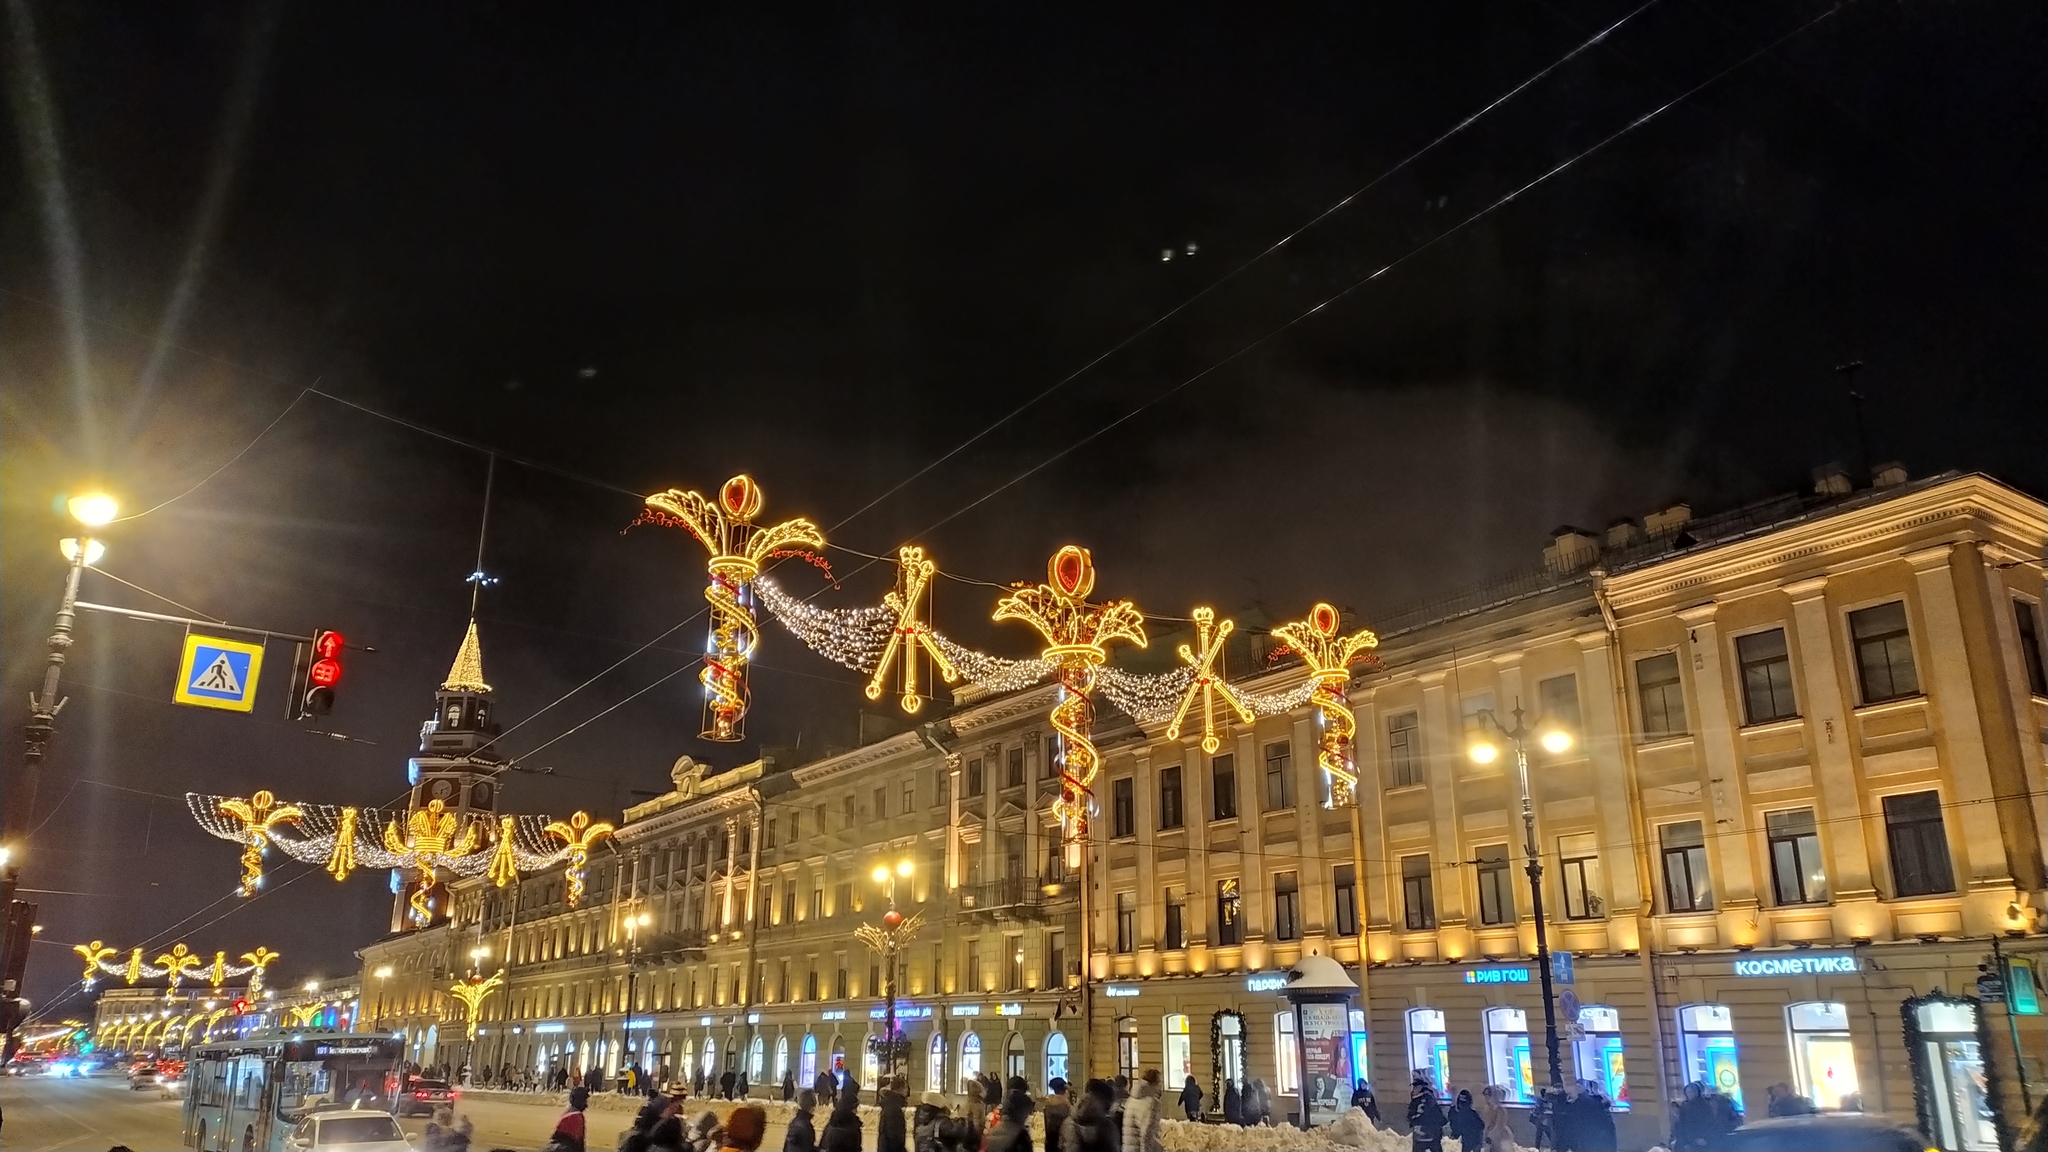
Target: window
pixel 1918 843
pixel 973 777
pixel 1558 698
pixel 1127 1047
pixel 1798 875
pixel 1013 1056
pixel 943 796
pixel 796 827
pixel 810 984
pixel 909 795
pixel 1126 922
pixel 1473 725
pixel 1050 769
pixel 821 820
pixel 1223 787
pixel 1884 653
pixel 1823 1062
pixel 1169 798
pixel 1279 788
pixel 935 1062
pixel 1179 1049
pixel 1661 695
pixel 1123 811
pixel 841 985
pixel 970 969
pixel 1597 1050
pixel 1579 871
pixel 1013 963
pixel 1344 886
pixel 1176 920
pixel 939 968
pixel 1013 768
pixel 851 810
pixel 1418 902
pixel 818 903
pixel 970 1061
pixel 1056 959
pixel 1055 1059
pixel 1507 1053
pixel 1766 676
pixel 1429 1048
pixel 1287 1062
pixel 1229 922
pixel 1687 887
pixel 1286 906
pixel 875 988
pixel 2028 620
pixel 1496 886
pixel 881 803
pixel 1404 749
pixel 842 905
pixel 768 834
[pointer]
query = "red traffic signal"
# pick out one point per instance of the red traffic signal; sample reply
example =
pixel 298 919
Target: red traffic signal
pixel 322 674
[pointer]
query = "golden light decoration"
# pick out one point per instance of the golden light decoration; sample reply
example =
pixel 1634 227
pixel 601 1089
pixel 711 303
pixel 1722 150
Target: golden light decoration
pixel 911 635
pixel 725 527
pixel 1329 657
pixel 888 937
pixel 580 835
pixel 504 865
pixel 1206 662
pixel 472 993
pixel 258 960
pixel 1076 635
pixel 341 859
pixel 302 1014
pixel 429 832
pixel 133 970
pixel 178 961
pixel 96 955
pixel 259 815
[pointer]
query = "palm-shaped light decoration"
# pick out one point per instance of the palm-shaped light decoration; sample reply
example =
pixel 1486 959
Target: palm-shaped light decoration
pixel 1076 635
pixel 96 954
pixel 430 833
pixel 579 835
pixel 1206 661
pixel 725 527
pixel 473 992
pixel 1329 657
pixel 259 815
pixel 258 961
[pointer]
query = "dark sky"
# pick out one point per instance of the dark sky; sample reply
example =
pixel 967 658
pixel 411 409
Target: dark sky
pixel 653 245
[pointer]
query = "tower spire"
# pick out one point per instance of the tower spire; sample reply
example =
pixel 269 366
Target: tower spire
pixel 467 673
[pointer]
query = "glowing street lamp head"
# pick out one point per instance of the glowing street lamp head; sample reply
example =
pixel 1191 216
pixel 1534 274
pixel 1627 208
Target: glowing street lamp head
pixel 68 547
pixel 1483 752
pixel 880 874
pixel 903 867
pixel 1556 741
pixel 94 509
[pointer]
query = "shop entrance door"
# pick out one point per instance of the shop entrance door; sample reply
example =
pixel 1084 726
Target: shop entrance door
pixel 1950 1067
pixel 1230 1050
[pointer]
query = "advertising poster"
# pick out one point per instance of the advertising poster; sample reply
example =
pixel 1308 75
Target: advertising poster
pixel 1325 1062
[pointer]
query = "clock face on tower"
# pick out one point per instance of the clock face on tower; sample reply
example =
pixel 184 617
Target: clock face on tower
pixel 443 790
pixel 480 795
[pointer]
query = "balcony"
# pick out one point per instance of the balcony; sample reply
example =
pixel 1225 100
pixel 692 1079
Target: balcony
pixel 1016 898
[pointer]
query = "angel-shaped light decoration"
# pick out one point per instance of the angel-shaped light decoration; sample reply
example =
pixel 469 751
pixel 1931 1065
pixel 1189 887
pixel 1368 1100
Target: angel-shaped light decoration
pixel 1329 657
pixel 726 529
pixel 258 815
pixel 580 836
pixel 1206 661
pixel 1076 635
pixel 911 635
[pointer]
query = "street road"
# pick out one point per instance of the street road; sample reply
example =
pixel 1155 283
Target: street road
pixel 95 1113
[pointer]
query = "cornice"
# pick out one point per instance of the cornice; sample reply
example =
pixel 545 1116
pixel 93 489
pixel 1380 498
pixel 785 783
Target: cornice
pixel 694 809
pixel 821 771
pixel 987 712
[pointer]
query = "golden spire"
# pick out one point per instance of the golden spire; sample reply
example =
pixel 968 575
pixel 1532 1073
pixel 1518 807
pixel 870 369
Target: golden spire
pixel 467 673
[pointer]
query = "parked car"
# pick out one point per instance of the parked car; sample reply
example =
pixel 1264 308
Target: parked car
pixel 355 1131
pixel 1826 1132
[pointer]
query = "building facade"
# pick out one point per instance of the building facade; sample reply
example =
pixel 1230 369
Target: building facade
pixel 1803 794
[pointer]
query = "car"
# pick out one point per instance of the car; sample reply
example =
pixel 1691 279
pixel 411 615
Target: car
pixel 1825 1132
pixel 424 1097
pixel 142 1076
pixel 352 1130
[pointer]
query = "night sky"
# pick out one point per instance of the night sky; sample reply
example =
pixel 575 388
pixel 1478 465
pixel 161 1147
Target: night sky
pixel 645 246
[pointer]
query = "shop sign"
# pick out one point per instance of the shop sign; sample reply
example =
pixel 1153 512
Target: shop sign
pixel 1797 966
pixel 964 1010
pixel 1009 1009
pixel 639 1025
pixel 1265 982
pixel 834 1014
pixel 753 1017
pixel 1120 990
pixel 704 1021
pixel 550 1026
pixel 1497 974
pixel 2022 987
pixel 903 1012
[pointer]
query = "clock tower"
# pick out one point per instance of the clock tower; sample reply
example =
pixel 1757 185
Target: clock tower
pixel 457 764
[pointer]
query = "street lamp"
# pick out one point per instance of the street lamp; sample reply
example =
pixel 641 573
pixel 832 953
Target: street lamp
pixel 1553 739
pixel 633 925
pixel 889 942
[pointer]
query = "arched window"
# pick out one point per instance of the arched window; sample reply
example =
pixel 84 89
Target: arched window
pixel 1507 1053
pixel 1597 1053
pixel 1055 1059
pixel 1286 1054
pixel 870 1064
pixel 710 1057
pixel 1178 1050
pixel 1823 1063
pixel 1013 1056
pixel 1429 1048
pixel 689 1062
pixel 1706 1049
pixel 807 1063
pixel 935 1065
pixel 1127 1047
pixel 839 1059
pixel 970 1059
pixel 756 1053
pixel 781 1057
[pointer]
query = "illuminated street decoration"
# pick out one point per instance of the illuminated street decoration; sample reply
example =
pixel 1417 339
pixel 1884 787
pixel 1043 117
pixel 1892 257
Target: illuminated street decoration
pixel 431 833
pixel 341 859
pixel 1076 634
pixel 258 960
pixel 1205 663
pixel 178 963
pixel 1329 657
pixel 580 836
pixel 504 863
pixel 726 529
pixel 95 954
pixel 910 635
pixel 259 816
pixel 472 993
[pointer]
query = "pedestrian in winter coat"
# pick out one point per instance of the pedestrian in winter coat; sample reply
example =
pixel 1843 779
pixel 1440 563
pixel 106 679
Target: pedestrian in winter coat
pixel 745 1128
pixel 891 1133
pixel 1499 1137
pixel 1056 1109
pixel 1596 1122
pixel 706 1137
pixel 827 1088
pixel 1012 1132
pixel 1258 1104
pixel 668 1136
pixel 1366 1102
pixel 1425 1118
pixel 959 1134
pixel 570 1130
pixel 1191 1098
pixel 803 1133
pixel 1233 1103
pixel 1141 1116
pixel 739 1088
pixel 788 1086
pixel 1089 1128
pixel 726 1082
pixel 925 1120
pixel 1465 1123
pixel 843 1127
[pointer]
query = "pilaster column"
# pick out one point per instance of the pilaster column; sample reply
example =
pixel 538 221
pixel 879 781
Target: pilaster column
pixel 1311 899
pixel 1369 845
pixel 1602 737
pixel 1146 824
pixel 1715 737
pixel 1954 706
pixel 1833 735
pixel 1443 745
pixel 1197 804
pixel 1254 886
pixel 732 847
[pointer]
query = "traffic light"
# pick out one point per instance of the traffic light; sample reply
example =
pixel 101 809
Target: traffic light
pixel 322 674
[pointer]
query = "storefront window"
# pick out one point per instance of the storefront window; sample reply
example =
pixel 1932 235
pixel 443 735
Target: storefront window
pixel 1706 1048
pixel 710 1057
pixel 935 1065
pixel 1597 1053
pixel 1127 1046
pixel 806 1066
pixel 1823 1063
pixel 870 1064
pixel 781 1057
pixel 1055 1059
pixel 970 1059
pixel 1429 1048
pixel 756 1053
pixel 1950 1067
pixel 1287 1054
pixel 1360 1068
pixel 1013 1056
pixel 689 1064
pixel 1179 1057
pixel 1230 1035
pixel 1507 1053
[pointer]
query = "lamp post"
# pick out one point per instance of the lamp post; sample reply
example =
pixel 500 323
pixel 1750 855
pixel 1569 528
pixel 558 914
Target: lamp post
pixel 634 922
pixel 891 937
pixel 1483 750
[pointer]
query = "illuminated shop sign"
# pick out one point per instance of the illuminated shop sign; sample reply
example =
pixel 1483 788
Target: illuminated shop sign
pixel 1265 982
pixel 704 1021
pixel 551 1026
pixel 834 1014
pixel 903 1012
pixel 635 1025
pixel 1497 974
pixel 1009 1009
pixel 1797 966
pixel 964 1010
pixel 1120 990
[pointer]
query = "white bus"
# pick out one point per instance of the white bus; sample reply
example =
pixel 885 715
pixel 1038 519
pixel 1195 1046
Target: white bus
pixel 246 1095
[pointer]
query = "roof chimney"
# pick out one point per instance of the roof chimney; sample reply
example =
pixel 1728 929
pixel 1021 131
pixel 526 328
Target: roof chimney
pixel 1889 474
pixel 1571 549
pixel 1623 532
pixel 1669 520
pixel 1831 479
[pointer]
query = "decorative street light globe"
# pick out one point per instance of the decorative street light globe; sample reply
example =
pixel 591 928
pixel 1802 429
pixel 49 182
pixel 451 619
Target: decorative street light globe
pixel 94 509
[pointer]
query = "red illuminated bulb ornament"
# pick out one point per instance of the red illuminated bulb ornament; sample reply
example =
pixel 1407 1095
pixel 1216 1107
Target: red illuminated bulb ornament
pixel 892 918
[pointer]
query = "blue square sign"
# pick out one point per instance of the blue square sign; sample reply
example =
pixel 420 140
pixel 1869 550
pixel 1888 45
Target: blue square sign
pixel 216 673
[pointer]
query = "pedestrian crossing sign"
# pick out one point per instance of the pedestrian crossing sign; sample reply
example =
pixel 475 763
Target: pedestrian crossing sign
pixel 218 673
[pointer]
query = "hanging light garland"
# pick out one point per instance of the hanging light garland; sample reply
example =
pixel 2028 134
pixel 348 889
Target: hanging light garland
pixel 1330 657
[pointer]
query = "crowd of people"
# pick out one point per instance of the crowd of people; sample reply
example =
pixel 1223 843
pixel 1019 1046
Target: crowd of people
pixel 1580 1118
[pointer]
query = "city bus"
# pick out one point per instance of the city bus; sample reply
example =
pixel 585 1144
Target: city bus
pixel 246 1095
